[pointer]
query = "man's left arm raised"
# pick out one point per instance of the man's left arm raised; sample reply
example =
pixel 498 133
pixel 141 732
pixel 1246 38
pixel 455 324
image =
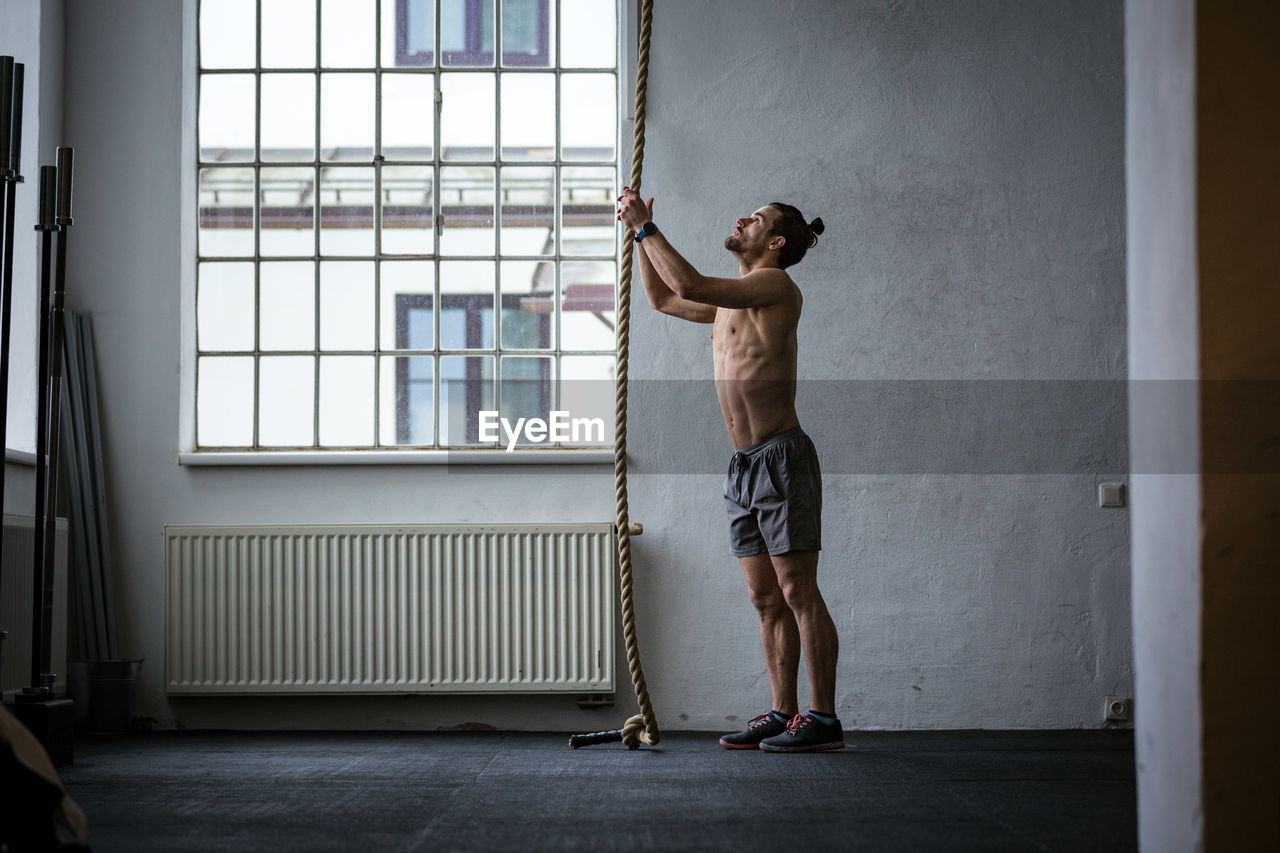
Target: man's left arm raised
pixel 753 290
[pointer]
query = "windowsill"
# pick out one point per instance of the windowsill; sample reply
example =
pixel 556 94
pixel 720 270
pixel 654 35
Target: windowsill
pixel 603 456
pixel 19 457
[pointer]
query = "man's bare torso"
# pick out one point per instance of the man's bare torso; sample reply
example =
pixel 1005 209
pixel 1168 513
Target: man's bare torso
pixel 755 367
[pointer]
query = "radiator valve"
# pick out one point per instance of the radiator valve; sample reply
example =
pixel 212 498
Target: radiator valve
pixel 595 700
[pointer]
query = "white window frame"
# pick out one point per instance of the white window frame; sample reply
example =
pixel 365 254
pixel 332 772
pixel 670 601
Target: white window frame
pixel 628 30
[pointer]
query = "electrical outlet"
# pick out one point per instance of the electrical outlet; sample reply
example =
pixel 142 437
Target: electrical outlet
pixel 1119 709
pixel 1111 495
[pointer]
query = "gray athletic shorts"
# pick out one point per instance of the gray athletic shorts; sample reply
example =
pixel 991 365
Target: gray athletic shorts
pixel 773 494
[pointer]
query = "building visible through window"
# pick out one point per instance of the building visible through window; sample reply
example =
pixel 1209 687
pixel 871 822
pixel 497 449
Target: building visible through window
pixel 466 32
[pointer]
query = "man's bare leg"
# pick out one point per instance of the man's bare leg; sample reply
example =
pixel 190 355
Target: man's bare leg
pixel 797 577
pixel 779 634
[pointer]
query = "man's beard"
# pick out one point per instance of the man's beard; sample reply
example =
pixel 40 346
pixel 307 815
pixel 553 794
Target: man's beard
pixel 740 249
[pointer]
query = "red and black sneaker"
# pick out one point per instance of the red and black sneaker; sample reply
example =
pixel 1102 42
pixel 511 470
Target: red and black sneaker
pixel 759 728
pixel 806 734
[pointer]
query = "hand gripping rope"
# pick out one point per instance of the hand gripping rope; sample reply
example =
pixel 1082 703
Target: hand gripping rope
pixel 643 727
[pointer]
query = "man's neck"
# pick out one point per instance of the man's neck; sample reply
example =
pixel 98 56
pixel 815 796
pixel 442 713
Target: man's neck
pixel 746 266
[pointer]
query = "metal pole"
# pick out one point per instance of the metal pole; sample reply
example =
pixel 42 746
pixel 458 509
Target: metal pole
pixel 63 220
pixel 46 226
pixel 6 234
pixel 11 78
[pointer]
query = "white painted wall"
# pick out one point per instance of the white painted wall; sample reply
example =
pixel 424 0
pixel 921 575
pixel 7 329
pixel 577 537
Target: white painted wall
pixel 969 164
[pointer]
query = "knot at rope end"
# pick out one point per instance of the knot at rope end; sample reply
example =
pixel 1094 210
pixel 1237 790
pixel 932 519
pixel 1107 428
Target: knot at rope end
pixel 633 732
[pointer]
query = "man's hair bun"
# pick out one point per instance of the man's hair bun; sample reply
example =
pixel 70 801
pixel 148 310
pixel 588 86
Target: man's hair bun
pixel 815 228
pixel 800 236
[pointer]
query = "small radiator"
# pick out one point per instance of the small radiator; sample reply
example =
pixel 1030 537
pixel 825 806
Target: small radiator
pixel 389 609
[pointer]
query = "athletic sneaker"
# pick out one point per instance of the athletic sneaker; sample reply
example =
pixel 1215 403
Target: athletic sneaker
pixel 759 728
pixel 805 734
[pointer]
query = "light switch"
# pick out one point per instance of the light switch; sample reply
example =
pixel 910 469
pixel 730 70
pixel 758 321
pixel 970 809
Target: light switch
pixel 1110 495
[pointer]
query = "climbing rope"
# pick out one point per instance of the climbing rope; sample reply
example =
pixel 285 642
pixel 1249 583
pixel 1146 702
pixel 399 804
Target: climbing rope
pixel 643 727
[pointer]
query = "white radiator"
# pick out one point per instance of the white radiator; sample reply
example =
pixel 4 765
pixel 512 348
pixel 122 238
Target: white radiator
pixel 389 609
pixel 18 558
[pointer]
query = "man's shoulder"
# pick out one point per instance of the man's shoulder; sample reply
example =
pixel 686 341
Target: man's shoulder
pixel 772 277
pixel 775 278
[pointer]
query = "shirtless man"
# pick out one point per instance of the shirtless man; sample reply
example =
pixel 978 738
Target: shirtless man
pixel 773 491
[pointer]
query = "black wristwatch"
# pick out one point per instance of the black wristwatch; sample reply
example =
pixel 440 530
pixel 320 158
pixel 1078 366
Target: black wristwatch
pixel 645 230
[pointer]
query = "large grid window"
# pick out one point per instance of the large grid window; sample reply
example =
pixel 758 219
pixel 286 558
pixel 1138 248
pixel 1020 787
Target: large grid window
pixel 397 232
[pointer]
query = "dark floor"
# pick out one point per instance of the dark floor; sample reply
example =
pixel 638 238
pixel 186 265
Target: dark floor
pixel 910 791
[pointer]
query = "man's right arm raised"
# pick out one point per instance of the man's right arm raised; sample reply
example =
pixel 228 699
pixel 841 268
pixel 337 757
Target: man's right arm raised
pixel 666 300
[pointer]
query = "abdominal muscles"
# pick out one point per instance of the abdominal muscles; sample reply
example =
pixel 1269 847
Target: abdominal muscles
pixel 755 377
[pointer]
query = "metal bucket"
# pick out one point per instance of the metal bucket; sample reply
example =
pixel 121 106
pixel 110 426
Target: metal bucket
pixel 112 684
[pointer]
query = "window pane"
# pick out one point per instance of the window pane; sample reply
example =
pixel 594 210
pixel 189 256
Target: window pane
pixel 589 368
pixel 286 401
pixel 587 310
pixel 286 305
pixel 228 30
pixel 406 211
pixel 346 401
pixel 346 211
pixel 588 104
pixel 466 32
pixel 408 40
pixel 346 117
pixel 407 400
pixel 346 33
pixel 466 389
pixel 466 116
pixel 224 402
pixel 406 312
pixel 288 117
pixel 587 196
pixel 588 34
pixel 226 213
pixel 288 205
pixel 288 28
pixel 466 304
pixel 466 203
pixel 528 289
pixel 526 393
pixel 526 32
pixel 528 210
pixel 408 116
pixel 588 390
pixel 346 307
pixel 529 117
pixel 226 118
pixel 224 307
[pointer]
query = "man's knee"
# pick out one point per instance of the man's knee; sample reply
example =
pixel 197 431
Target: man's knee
pixel 768 600
pixel 799 587
pixel 801 595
